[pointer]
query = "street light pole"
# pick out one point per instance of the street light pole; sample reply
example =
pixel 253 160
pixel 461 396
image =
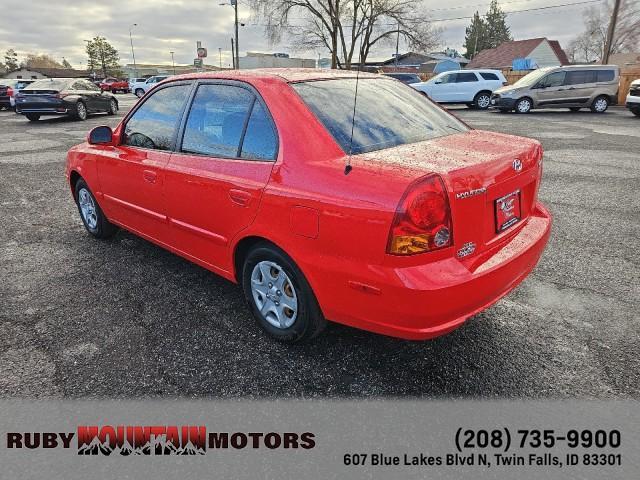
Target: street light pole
pixel 235 51
pixel 135 68
pixel 173 63
pixel 235 5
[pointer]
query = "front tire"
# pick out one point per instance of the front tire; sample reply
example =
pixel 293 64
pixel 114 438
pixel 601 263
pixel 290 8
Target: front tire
pixel 81 111
pixel 636 112
pixel 33 117
pixel 482 100
pixel 92 216
pixel 600 104
pixel 279 295
pixel 524 105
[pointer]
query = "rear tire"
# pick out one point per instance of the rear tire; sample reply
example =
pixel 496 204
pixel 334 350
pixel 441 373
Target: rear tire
pixel 482 100
pixel 81 111
pixel 273 284
pixel 113 107
pixel 91 214
pixel 600 104
pixel 636 112
pixel 524 105
pixel 33 117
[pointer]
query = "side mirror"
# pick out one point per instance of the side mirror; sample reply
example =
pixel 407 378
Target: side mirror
pixel 102 135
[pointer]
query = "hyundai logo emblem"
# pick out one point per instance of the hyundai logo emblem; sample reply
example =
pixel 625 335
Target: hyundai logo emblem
pixel 517 165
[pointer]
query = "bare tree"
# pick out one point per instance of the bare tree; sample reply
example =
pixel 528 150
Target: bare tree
pixel 589 45
pixel 347 27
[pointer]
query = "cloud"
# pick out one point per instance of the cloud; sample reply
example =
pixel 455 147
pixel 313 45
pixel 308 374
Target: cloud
pixel 39 26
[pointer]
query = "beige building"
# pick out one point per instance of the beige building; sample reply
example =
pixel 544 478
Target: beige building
pixel 274 60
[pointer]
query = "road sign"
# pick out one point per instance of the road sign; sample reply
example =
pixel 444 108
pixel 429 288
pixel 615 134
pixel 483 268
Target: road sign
pixel 202 52
pixel 197 62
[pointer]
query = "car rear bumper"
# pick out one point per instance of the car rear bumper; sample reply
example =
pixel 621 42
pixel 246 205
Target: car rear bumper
pixel 429 300
pixel 44 111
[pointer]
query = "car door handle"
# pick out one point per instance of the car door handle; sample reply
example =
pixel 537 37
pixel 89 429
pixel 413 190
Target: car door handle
pixel 150 176
pixel 241 197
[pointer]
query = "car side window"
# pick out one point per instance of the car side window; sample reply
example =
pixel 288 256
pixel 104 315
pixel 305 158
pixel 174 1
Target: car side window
pixel 259 141
pixel 489 76
pixel 78 86
pixel 216 121
pixel 554 79
pixel 88 85
pixel 450 78
pixel 605 75
pixel 154 124
pixel 580 77
pixel 466 77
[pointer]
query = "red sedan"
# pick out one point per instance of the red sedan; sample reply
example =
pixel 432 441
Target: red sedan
pixel 402 221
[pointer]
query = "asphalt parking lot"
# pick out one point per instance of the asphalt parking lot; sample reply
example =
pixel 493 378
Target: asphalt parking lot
pixel 124 318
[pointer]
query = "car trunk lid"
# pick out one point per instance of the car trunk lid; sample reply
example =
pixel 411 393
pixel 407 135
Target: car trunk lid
pixel 492 181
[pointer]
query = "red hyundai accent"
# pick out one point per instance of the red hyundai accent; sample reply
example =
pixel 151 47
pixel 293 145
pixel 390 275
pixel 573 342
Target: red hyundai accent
pixel 401 220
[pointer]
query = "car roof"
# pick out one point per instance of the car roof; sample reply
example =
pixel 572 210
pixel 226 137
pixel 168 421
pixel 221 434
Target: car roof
pixel 288 75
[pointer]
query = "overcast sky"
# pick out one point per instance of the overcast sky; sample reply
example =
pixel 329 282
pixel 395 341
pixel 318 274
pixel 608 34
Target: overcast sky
pixel 39 26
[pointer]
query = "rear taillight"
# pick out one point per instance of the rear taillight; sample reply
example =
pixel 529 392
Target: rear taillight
pixel 10 92
pixel 422 222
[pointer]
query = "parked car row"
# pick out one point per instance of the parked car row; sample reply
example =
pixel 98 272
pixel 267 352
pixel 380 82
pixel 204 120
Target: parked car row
pixel 573 87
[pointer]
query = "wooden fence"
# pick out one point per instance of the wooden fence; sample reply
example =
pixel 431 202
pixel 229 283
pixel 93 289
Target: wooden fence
pixel 627 75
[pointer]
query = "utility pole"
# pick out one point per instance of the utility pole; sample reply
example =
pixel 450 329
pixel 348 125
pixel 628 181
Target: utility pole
pixel 220 54
pixel 135 68
pixel 173 63
pixel 610 33
pixel 232 54
pixel 397 44
pixel 235 6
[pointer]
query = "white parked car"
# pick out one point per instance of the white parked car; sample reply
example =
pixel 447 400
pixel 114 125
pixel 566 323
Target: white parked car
pixel 135 82
pixel 140 88
pixel 470 87
pixel 633 99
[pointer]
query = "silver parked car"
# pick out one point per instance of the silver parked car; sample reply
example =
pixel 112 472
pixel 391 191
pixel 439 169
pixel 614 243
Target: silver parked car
pixel 141 88
pixel 572 86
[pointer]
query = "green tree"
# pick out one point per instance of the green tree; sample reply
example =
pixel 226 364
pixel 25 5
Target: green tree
pixel 475 39
pixel 497 30
pixel 65 63
pixel 103 56
pixel 11 60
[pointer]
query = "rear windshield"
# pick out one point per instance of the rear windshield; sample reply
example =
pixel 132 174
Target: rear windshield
pixel 388 113
pixel 53 84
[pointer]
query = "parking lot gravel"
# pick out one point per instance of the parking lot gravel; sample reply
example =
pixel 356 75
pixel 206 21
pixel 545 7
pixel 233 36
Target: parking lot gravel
pixel 123 318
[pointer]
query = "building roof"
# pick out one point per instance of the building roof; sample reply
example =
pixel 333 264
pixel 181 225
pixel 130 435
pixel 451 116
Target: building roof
pixel 503 55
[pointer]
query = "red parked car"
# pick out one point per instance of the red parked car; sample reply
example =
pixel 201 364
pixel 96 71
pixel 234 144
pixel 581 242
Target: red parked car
pixel 404 221
pixel 114 85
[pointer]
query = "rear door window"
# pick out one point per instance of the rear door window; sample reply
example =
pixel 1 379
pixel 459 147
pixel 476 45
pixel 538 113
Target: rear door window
pixel 217 120
pixel 260 141
pixel 466 77
pixel 580 77
pixel 154 124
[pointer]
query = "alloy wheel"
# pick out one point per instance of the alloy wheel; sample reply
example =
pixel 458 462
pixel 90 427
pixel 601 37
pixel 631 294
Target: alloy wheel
pixel 483 101
pixel 81 110
pixel 523 106
pixel 274 294
pixel 600 105
pixel 88 208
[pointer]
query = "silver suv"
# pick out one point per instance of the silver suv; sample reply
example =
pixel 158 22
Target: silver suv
pixel 573 87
